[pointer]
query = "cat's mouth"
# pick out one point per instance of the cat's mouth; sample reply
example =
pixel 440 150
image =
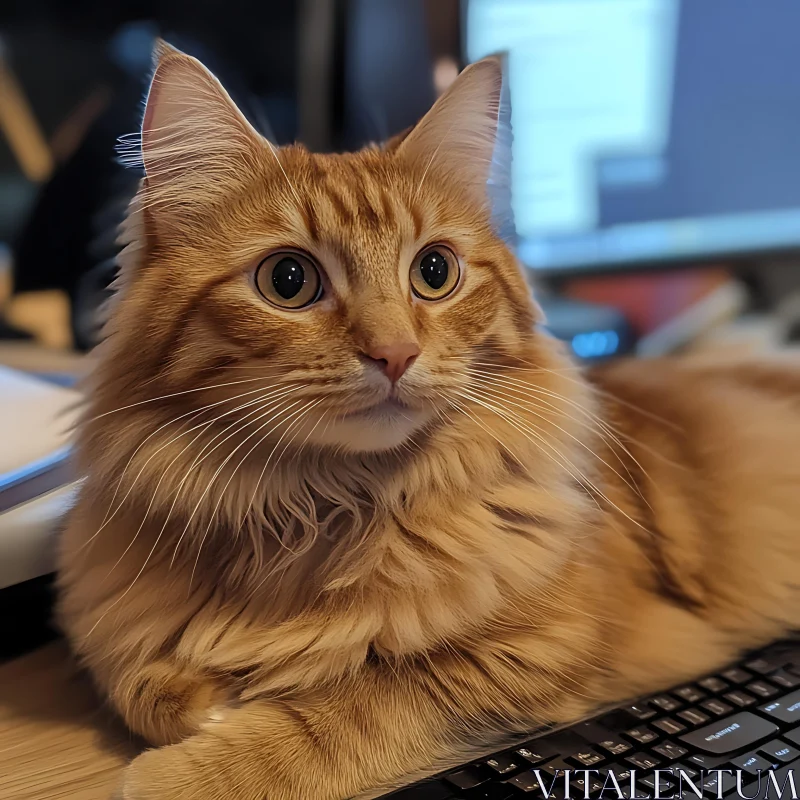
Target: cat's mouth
pixel 389 408
pixel 378 426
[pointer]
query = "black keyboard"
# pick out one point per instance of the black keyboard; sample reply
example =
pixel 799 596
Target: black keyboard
pixel 745 718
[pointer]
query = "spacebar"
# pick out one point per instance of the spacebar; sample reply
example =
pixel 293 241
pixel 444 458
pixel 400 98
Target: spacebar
pixel 731 733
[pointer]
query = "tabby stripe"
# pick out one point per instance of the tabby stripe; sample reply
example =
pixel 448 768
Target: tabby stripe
pixel 654 541
pixel 340 205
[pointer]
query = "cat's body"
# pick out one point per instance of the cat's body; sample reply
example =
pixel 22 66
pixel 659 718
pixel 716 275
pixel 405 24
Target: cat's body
pixel 328 610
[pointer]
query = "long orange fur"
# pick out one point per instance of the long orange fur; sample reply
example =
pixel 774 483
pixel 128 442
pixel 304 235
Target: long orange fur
pixel 292 602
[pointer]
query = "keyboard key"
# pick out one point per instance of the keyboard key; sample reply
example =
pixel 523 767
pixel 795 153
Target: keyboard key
pixel 717 707
pixel 643 735
pixel 731 733
pixel 643 761
pixel 527 783
pixel 669 726
pixel 578 783
pixel 491 791
pixel 787 709
pixel 691 694
pixel 621 772
pixel 760 665
pixel 614 746
pixel 785 679
pixel 780 751
pixel 536 752
pixel 648 783
pixel 736 675
pixel 751 762
pixel 705 761
pixel 688 770
pixel 640 712
pixel 587 758
pixel 468 778
pixel 602 739
pixel 502 765
pixel 781 777
pixel 665 703
pixel 430 790
pixel 670 750
pixel 718 784
pixel 762 689
pixel 713 684
pixel 557 767
pixel 740 698
pixel 693 716
pixel 793 735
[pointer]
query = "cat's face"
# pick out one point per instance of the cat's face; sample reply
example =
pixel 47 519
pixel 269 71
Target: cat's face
pixel 355 290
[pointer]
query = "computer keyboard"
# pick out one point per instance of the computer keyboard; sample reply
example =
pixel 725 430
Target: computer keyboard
pixel 743 719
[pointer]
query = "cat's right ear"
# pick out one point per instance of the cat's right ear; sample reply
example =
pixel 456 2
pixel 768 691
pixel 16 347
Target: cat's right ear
pixel 194 140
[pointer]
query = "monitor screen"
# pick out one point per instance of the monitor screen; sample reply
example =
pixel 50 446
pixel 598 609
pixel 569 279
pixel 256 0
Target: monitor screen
pixel 648 130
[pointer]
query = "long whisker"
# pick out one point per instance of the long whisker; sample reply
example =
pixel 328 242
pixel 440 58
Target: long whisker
pixel 614 434
pixel 174 394
pixel 459 407
pixel 261 413
pixel 244 458
pixel 239 423
pixel 532 436
pixel 155 543
pixel 531 387
pixel 582 444
pixel 204 425
pixel 192 413
pixel 521 390
pixel 602 392
pixel 301 411
pixel 266 463
pixel 522 427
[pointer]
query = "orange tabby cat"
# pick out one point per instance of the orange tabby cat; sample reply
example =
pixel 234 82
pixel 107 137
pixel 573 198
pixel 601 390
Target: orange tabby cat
pixel 347 512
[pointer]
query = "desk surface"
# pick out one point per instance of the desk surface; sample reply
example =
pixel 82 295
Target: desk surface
pixel 56 741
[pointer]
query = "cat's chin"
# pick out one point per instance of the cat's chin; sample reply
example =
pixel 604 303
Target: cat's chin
pixel 373 430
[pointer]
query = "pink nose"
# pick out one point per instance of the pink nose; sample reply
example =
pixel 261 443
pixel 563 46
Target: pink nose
pixel 394 359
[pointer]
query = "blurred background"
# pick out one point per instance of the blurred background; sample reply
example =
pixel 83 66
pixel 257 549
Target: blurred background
pixel 656 172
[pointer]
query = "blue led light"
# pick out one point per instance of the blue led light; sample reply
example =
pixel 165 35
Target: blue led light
pixel 597 344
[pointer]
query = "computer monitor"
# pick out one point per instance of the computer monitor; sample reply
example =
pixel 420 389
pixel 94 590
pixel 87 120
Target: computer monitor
pixel 648 131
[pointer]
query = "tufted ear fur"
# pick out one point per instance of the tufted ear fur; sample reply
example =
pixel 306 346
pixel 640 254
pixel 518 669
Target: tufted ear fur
pixel 195 143
pixel 468 133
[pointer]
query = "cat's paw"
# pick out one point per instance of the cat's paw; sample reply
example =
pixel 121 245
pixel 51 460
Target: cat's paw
pixel 219 713
pixel 162 774
pixel 170 708
pixel 201 768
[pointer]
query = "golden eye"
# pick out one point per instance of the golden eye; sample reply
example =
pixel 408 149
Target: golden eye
pixel 434 273
pixel 289 280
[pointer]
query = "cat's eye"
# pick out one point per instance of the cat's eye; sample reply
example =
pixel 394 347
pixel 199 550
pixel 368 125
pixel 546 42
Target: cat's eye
pixel 289 280
pixel 434 273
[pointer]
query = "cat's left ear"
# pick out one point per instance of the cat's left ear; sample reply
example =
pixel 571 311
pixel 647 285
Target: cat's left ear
pixel 467 132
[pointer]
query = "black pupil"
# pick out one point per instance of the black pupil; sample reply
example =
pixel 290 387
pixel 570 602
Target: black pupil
pixel 288 277
pixel 433 269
